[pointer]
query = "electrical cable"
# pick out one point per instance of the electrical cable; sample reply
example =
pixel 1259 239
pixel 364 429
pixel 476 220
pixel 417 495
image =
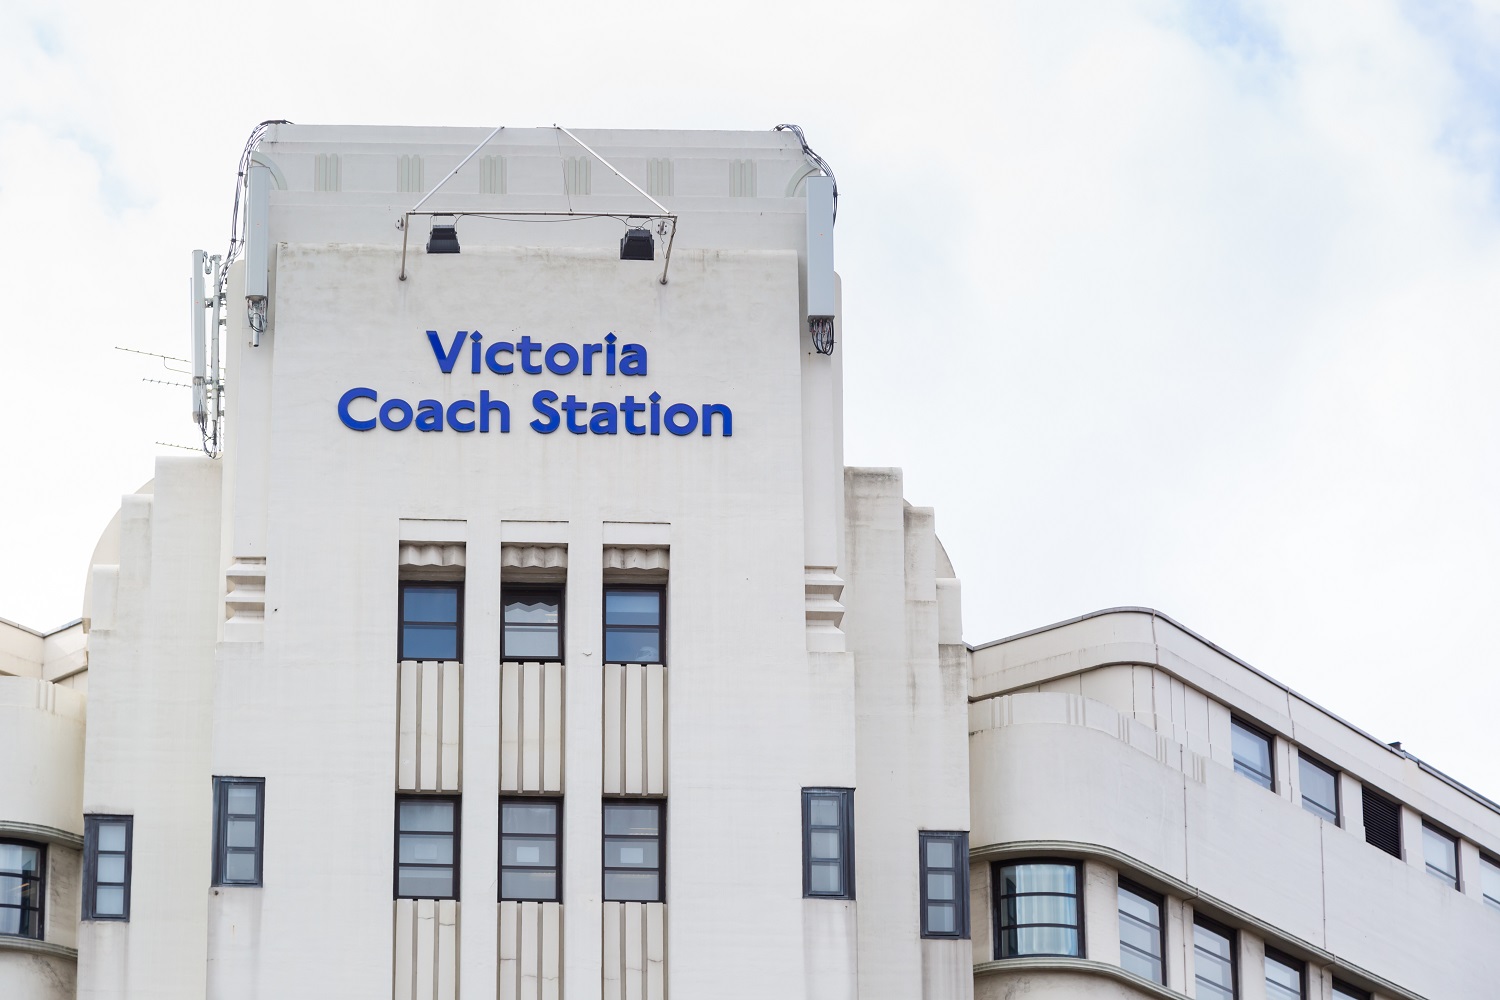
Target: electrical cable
pixel 816 161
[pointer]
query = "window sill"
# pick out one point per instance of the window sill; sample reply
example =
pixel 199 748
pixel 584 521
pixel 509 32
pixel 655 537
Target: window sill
pixel 1082 966
pixel 14 942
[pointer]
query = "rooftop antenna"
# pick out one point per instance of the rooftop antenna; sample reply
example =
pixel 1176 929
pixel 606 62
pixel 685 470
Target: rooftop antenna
pixel 205 318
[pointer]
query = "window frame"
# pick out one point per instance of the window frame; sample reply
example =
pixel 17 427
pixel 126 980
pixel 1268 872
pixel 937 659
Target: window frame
pixel 509 592
pixel 1455 881
pixel 222 785
pixel 999 897
pixel 1126 885
pixel 661 847
pixel 1368 796
pixel 1487 861
pixel 660 590
pixel 1338 794
pixel 1343 991
pixel 845 830
pixel 1230 935
pixel 557 847
pixel 457 586
pixel 40 880
pixel 456 833
pixel 1270 778
pixel 960 841
pixel 91 824
pixel 1283 959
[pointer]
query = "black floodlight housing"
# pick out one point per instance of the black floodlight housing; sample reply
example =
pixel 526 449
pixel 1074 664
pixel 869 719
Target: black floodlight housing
pixel 637 244
pixel 444 238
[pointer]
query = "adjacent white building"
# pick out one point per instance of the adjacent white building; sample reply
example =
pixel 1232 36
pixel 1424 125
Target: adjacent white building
pixel 526 637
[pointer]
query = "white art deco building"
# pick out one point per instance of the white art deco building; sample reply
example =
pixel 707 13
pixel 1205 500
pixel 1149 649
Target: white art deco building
pixel 523 635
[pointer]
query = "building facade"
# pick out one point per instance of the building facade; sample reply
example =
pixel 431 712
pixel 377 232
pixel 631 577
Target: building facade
pixel 524 636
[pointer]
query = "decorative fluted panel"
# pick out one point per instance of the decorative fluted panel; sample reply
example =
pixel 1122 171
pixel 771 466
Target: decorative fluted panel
pixel 429 726
pixel 635 729
pixel 531 727
pixel 426 950
pixel 530 951
pixel 635 951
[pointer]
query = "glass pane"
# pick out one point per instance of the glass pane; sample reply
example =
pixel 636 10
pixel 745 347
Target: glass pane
pixel 112 868
pixel 10 890
pixel 825 877
pixel 10 920
pixel 424 883
pixel 630 853
pixel 1441 853
pixel 1252 751
pixel 1283 982
pixel 1319 789
pixel 1141 936
pixel 242 800
pixel 240 833
pixel 528 817
pixel 429 642
pixel 525 641
pixel 539 851
pixel 1145 966
pixel 1038 878
pixel 1041 941
pixel 634 646
pixel 1212 991
pixel 20 858
pixel 1211 944
pixel 823 810
pixel 435 817
pixel 942 918
pixel 1139 907
pixel 435 849
pixel 239 866
pixel 630 819
pixel 528 885
pixel 1489 880
pixel 940 886
pixel 531 611
pixel 632 607
pixel 630 886
pixel 109 901
pixel 1039 910
pixel 824 845
pixel 939 852
pixel 431 604
pixel 111 836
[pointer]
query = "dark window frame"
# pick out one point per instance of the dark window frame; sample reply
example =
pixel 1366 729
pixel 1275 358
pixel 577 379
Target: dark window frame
pixel 845 830
pixel 1160 901
pixel 1233 937
pixel 222 785
pixel 457 587
pixel 1242 769
pixel 660 590
pixel 1368 797
pixel 1283 958
pixel 960 841
pixel 1486 859
pixel 661 846
pixel 456 834
pixel 1456 881
pixel 557 847
pixel 999 896
pixel 91 865
pixel 1338 792
pixel 40 880
pixel 1342 989
pixel 510 592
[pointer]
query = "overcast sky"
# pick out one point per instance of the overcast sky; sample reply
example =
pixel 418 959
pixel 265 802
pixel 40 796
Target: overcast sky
pixel 1182 304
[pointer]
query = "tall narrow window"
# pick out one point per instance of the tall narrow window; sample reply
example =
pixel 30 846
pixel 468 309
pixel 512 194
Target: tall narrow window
pixel 1284 977
pixel 23 867
pixel 106 867
pixel 426 847
pixel 530 846
pixel 1141 932
pixel 1214 970
pixel 633 851
pixel 239 826
pixel 1489 880
pixel 431 621
pixel 828 842
pixel 1252 752
pixel 1039 910
pixel 1382 823
pixel 1440 851
pixel 944 859
pixel 1343 991
pixel 1320 789
pixel 533 623
pixel 633 625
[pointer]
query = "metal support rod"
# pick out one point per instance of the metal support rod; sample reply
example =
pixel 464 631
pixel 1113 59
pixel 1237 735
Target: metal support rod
pixel 667 257
pixel 456 169
pixel 611 166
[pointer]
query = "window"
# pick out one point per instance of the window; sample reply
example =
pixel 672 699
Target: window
pixel 1382 823
pixel 1320 789
pixel 1489 880
pixel 1441 853
pixel 632 851
pixel 944 859
pixel 1284 977
pixel 633 625
pixel 1213 960
pixel 22 872
pixel 239 822
pixel 1252 752
pixel 426 847
pixel 530 845
pixel 1141 943
pixel 533 624
pixel 1039 911
pixel 106 867
pixel 1343 991
pixel 828 842
pixel 431 621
